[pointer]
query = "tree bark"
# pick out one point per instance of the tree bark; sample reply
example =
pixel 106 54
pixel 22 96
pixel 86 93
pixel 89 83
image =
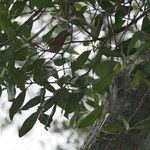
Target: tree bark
pixel 133 104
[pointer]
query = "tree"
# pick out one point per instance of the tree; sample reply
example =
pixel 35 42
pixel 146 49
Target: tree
pixel 109 79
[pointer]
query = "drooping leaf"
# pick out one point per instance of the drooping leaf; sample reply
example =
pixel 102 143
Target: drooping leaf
pixel 28 124
pixel 16 105
pixel 11 91
pixel 144 124
pixel 81 60
pixel 17 75
pixel 101 84
pixel 31 103
pixel 90 118
pixel 17 8
pixel 113 127
pixel 5 22
pixel 98 24
pixel 72 103
pixel 41 4
pixel 105 68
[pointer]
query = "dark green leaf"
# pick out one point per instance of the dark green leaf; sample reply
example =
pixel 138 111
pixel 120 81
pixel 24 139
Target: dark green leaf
pixel 105 68
pixel 145 67
pixel 81 60
pixel 144 124
pixel 31 103
pixel 98 23
pixel 60 97
pixel 90 118
pixel 17 8
pixel 100 85
pixel 41 4
pixel 60 62
pixel 17 76
pixel 43 118
pixel 146 25
pixel 11 91
pixel 21 54
pixel 16 105
pixel 113 127
pixel 47 37
pixel 28 124
pixel 5 22
pixel 72 103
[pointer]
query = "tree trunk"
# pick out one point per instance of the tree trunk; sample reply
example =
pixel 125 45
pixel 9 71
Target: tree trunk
pixel 133 104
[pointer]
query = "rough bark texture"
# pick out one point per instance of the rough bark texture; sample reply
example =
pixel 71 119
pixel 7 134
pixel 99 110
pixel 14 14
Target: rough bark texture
pixel 134 104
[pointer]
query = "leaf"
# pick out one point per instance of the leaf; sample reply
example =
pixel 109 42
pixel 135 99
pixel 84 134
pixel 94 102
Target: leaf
pixel 17 8
pixel 113 127
pixel 28 124
pixel 105 68
pixel 17 103
pixel 41 4
pixel 90 118
pixel 11 91
pixel 72 103
pixel 137 78
pixel 47 37
pixel 31 103
pixel 144 67
pixel 144 124
pixel 81 60
pixel 5 22
pixel 59 97
pixel 60 62
pixel 21 54
pixel 42 75
pixel 43 118
pixel 17 75
pixel 125 122
pixel 100 85
pixel 98 24
pixel 5 56
pixel 146 25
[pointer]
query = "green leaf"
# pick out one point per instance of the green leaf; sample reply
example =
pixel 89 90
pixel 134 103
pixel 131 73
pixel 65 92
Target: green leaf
pixel 31 103
pixel 72 103
pixel 17 103
pixel 41 4
pixel 21 54
pixel 17 75
pixel 136 79
pixel 113 127
pixel 47 37
pixel 100 85
pixel 5 22
pixel 81 60
pixel 5 56
pixel 90 118
pixel 144 124
pixel 17 8
pixel 60 62
pixel 42 75
pixel 11 91
pixel 105 68
pixel 125 122
pixel 145 67
pixel 28 124
pixel 146 25
pixel 98 23
pixel 43 118
pixel 59 97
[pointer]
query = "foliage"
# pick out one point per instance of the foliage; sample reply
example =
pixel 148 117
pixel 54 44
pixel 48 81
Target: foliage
pixel 110 35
